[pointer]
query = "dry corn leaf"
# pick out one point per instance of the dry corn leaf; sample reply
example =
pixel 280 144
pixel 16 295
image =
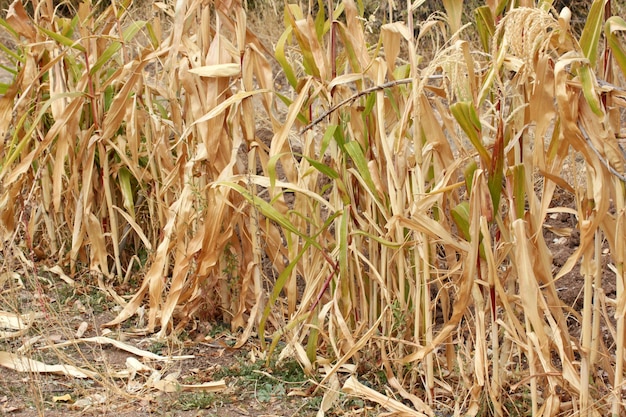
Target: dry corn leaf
pixel 57 270
pixel 23 364
pixel 170 384
pixel 217 70
pixel 14 321
pixel 352 386
pixel 17 324
pixel 101 340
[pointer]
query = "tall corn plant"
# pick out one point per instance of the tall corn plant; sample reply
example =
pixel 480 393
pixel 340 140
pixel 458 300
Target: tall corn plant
pixel 395 210
pixel 401 260
pixel 115 133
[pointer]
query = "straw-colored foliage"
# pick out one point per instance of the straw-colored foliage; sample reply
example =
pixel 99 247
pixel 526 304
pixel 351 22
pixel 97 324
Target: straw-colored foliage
pixel 394 221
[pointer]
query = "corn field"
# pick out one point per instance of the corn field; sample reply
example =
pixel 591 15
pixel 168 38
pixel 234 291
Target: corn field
pixel 376 200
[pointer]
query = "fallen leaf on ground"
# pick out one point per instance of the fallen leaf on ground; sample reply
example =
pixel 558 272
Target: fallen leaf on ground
pixel 62 398
pixel 121 345
pixel 23 364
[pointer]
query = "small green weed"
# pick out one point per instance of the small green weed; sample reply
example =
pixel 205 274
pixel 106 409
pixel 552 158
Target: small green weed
pixel 157 347
pixel 199 401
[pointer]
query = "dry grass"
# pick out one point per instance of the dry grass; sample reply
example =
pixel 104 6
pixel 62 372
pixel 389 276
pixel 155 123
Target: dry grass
pixel 395 219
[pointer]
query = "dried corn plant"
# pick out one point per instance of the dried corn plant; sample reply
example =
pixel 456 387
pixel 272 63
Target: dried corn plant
pixel 396 218
pixel 114 139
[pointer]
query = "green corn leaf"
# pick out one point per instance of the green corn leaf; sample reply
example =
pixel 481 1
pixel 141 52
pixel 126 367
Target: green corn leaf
pixel 12 55
pixel 370 236
pixel 469 175
pixel 282 278
pixel 311 345
pixel 278 287
pixel 154 40
pixel 590 37
pixel 485 26
pixel 8 27
pixel 66 27
pixel 328 135
pixel 501 6
pixel 63 40
pixel 587 80
pixel 340 139
pixel 108 53
pixel 391 95
pixel 293 12
pixel 356 154
pixel 370 102
pixel 496 171
pixel 349 49
pixel 124 177
pixel 323 168
pixel 308 60
pixel 301 117
pixel 282 58
pixel 291 325
pixel 519 178
pixel 271 167
pixel 614 25
pixel 465 114
pixel 339 8
pixel 320 20
pixel 461 216
pixel 270 212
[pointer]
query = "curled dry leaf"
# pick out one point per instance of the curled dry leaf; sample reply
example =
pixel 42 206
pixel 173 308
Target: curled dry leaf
pixel 15 323
pixel 353 387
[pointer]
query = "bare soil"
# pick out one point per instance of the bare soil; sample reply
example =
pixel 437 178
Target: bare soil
pixel 251 388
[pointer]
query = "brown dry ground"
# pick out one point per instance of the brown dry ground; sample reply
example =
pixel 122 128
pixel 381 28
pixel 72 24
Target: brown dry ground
pixel 251 388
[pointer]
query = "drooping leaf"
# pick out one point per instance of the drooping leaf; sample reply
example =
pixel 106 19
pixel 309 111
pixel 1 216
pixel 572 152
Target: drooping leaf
pixel 613 27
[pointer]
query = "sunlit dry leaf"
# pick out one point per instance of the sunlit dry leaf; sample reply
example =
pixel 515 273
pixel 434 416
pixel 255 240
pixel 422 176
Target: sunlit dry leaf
pixel 57 270
pixel 63 398
pixel 18 20
pixel 217 70
pixel 123 346
pixel 353 387
pixel 16 321
pixel 24 364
